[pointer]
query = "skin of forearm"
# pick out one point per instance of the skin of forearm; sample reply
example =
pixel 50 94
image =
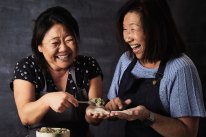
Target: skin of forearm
pixel 33 112
pixel 171 127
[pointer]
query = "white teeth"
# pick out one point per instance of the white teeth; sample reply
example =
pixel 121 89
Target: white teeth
pixel 62 57
pixel 135 46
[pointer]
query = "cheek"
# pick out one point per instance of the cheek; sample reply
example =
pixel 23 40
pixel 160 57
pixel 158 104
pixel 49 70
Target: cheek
pixel 74 53
pixel 128 36
pixel 140 38
pixel 143 40
pixel 48 54
pixel 74 49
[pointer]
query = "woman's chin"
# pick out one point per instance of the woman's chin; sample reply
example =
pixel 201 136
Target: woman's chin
pixel 60 66
pixel 64 64
pixel 138 56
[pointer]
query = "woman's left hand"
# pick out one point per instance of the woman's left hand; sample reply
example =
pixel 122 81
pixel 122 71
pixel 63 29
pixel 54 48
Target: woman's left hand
pixel 139 112
pixel 97 112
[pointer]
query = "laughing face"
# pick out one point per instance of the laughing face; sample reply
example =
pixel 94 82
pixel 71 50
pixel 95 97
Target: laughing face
pixel 133 33
pixel 58 47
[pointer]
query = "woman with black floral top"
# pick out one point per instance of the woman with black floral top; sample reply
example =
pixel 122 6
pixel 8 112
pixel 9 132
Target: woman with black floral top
pixel 48 84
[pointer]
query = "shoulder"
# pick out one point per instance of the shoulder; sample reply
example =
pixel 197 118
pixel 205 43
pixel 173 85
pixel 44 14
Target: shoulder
pixel 27 61
pixel 84 59
pixel 122 64
pixel 125 59
pixel 27 66
pixel 86 62
pixel 26 69
pixel 181 63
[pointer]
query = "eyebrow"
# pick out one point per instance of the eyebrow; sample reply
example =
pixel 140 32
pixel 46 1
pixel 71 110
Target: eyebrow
pixel 54 38
pixel 133 24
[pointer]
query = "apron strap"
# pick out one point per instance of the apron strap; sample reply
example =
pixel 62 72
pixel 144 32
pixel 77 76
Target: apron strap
pixel 160 72
pixel 124 79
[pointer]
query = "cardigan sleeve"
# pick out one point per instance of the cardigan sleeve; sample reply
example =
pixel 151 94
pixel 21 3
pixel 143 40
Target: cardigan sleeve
pixel 186 97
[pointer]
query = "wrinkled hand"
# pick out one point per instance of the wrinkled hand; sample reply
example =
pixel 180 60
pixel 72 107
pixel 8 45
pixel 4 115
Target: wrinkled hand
pixel 139 112
pixel 117 104
pixel 97 112
pixel 60 101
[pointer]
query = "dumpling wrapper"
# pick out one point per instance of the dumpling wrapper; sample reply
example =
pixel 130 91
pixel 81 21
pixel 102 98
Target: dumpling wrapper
pixel 98 110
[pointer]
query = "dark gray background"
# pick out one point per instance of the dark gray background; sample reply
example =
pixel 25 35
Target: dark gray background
pixel 98 38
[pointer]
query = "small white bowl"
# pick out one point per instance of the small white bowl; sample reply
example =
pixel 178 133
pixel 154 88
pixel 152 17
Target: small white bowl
pixel 42 134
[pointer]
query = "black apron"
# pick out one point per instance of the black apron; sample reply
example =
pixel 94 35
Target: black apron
pixel 72 119
pixel 142 91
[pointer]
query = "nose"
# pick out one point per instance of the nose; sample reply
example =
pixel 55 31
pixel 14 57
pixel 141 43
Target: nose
pixel 62 46
pixel 128 37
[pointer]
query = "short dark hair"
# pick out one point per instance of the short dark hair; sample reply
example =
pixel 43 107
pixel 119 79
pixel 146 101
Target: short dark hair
pixel 47 19
pixel 163 41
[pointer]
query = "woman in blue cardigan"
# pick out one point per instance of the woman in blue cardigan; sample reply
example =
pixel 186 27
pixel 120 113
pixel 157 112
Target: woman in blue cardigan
pixel 156 86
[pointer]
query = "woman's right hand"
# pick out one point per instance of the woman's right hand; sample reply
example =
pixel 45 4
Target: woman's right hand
pixel 60 101
pixel 117 104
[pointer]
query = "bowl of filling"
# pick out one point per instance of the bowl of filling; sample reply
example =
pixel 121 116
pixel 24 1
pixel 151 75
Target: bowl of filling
pixel 52 132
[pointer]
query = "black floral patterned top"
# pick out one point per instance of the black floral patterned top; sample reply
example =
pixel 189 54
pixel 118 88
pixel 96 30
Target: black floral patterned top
pixel 86 68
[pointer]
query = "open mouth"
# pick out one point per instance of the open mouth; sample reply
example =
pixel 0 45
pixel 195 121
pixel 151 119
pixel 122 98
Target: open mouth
pixel 135 47
pixel 63 57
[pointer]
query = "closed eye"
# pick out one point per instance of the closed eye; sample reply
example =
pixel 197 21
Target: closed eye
pixel 69 39
pixel 55 43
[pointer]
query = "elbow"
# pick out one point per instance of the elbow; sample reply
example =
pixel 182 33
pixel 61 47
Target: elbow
pixel 27 121
pixel 24 121
pixel 191 131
